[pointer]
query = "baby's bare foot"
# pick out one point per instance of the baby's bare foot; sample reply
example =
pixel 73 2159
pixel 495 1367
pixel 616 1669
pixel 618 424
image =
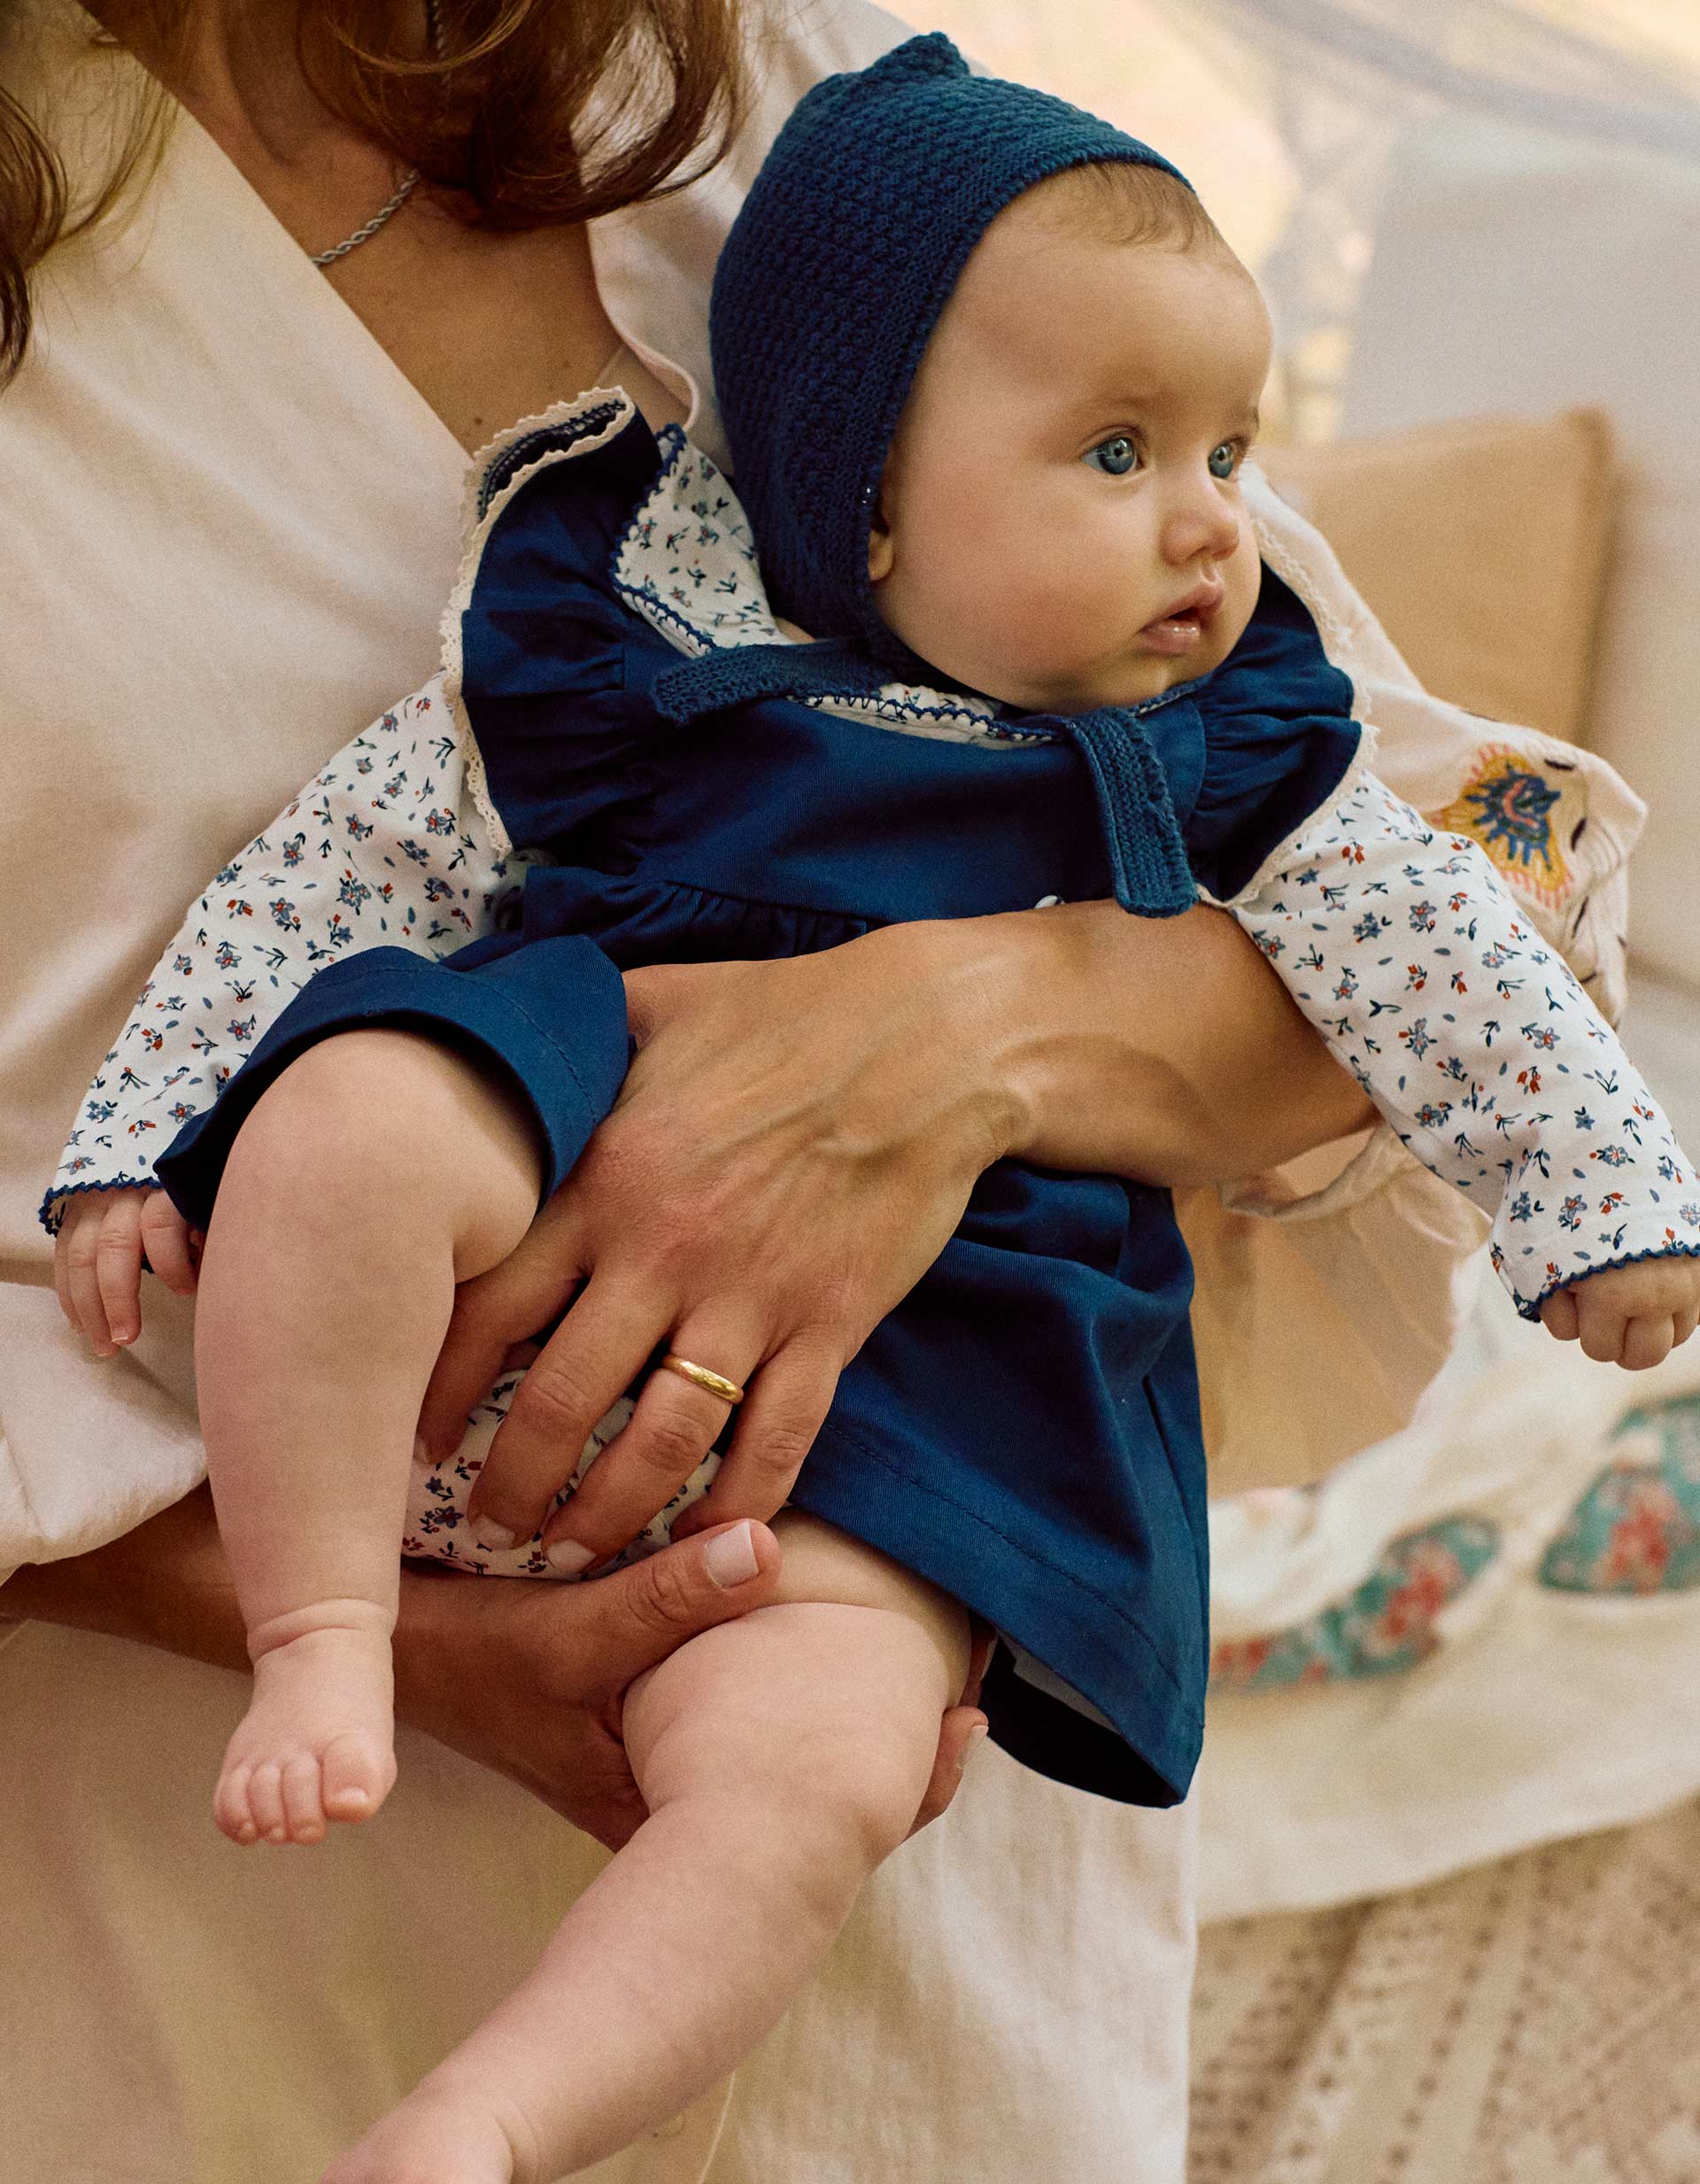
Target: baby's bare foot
pixel 317 1740
pixel 436 2136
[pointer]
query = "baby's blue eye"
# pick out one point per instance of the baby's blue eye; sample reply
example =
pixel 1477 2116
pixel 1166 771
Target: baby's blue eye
pixel 1116 456
pixel 1227 454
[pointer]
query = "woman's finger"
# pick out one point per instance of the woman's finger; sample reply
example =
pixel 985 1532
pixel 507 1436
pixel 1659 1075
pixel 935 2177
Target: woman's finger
pixel 511 1303
pixel 774 1431
pixel 962 1731
pixel 585 1367
pixel 630 1620
pixel 670 1430
pixel 164 1238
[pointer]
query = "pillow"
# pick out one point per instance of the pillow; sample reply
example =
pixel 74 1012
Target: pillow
pixel 1480 543
pixel 1516 271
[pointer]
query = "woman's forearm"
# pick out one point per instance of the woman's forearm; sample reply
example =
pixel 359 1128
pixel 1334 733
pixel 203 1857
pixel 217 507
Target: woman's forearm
pixel 167 1584
pixel 1163 1049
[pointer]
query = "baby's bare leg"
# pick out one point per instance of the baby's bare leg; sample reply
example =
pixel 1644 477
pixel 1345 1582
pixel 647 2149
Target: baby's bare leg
pixel 782 1757
pixel 376 1172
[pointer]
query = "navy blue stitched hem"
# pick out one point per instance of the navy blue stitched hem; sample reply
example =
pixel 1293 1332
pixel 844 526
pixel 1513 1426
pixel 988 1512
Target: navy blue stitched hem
pixel 1167 1744
pixel 568 1090
pixel 51 1213
pixel 1627 1259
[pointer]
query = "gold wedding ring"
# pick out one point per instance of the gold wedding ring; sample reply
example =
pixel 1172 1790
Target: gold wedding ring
pixel 728 1390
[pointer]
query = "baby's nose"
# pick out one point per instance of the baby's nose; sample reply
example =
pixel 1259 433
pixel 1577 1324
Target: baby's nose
pixel 1202 522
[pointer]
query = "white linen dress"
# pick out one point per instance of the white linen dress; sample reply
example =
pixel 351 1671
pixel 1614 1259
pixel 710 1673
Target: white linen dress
pixel 229 526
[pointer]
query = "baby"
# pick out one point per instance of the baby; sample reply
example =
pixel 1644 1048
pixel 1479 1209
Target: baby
pixel 989 376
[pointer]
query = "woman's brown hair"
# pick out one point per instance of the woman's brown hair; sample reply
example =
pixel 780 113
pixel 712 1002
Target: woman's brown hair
pixel 539 111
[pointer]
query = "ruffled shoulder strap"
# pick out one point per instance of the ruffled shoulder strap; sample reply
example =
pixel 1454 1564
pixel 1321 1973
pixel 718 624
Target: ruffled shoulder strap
pixel 1278 739
pixel 534 635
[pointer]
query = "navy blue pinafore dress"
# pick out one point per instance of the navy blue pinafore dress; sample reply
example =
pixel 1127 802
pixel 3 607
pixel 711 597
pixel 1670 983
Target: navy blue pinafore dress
pixel 1024 1428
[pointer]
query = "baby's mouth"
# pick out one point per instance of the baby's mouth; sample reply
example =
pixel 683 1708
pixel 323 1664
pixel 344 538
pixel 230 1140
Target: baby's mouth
pixel 1180 628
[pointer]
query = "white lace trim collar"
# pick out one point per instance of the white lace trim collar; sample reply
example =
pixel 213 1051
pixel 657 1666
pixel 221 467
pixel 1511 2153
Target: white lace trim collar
pixel 687 564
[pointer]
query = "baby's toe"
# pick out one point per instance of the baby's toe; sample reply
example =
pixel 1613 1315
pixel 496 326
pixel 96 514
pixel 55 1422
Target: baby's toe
pixel 231 1810
pixel 304 1811
pixel 266 1803
pixel 357 1775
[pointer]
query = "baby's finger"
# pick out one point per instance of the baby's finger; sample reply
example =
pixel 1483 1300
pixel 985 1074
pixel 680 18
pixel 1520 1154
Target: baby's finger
pixel 62 1276
pixel 164 1238
pixel 118 1267
pixel 82 1280
pixel 1558 1315
pixel 1600 1328
pixel 1647 1340
pixel 1685 1325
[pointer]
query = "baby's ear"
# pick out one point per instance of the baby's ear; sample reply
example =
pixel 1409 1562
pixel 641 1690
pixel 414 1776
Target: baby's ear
pixel 882 547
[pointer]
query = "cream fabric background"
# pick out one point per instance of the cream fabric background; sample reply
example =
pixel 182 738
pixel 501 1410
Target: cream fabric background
pixel 1606 304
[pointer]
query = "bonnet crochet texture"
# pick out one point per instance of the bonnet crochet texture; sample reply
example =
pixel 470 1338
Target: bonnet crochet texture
pixel 846 249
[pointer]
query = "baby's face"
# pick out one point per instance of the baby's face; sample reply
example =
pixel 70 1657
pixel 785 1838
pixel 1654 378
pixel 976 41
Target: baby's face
pixel 1065 476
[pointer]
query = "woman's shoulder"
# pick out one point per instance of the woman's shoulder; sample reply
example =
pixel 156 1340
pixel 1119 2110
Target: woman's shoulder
pixel 655 261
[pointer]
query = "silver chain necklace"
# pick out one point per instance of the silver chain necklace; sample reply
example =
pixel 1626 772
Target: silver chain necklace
pixel 386 211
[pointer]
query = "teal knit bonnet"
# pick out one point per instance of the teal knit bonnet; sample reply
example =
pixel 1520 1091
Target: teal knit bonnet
pixel 846 249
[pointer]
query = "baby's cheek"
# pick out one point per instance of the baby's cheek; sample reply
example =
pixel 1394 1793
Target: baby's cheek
pixel 986 620
pixel 1043 654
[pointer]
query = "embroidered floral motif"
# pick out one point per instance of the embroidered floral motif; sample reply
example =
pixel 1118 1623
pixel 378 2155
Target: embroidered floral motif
pixel 1388 1624
pixel 1636 1531
pixel 1516 814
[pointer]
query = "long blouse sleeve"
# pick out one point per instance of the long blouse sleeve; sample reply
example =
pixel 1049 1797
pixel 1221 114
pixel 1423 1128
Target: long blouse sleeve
pixel 1358 1254
pixel 385 850
pixel 1473 1038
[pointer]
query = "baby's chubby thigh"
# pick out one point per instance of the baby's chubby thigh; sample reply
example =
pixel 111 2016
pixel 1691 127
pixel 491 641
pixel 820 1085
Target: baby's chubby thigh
pixel 812 1720
pixel 825 1567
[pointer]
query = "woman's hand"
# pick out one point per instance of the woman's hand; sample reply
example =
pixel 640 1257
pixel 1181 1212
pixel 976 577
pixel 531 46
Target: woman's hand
pixel 97 1261
pixel 530 1679
pixel 794 1145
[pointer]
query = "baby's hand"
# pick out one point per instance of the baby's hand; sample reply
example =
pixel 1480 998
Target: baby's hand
pixel 1630 1315
pixel 97 1261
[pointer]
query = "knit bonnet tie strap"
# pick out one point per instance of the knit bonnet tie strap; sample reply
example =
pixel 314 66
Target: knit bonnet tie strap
pixel 739 675
pixel 1150 872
